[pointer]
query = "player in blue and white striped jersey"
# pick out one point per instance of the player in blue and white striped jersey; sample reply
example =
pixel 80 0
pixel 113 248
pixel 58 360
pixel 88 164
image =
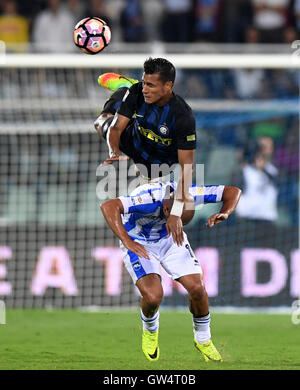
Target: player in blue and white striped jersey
pixel 139 221
pixel 143 216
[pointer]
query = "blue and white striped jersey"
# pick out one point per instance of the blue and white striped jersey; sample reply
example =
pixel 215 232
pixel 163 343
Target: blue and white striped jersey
pixel 143 216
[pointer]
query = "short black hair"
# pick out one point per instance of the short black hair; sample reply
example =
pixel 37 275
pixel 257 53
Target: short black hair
pixel 162 66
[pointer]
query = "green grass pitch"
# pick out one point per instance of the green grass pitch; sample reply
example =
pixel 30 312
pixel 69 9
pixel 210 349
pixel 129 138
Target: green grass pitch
pixel 73 340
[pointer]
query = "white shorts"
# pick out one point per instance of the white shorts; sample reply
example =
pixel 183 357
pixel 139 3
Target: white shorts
pixel 176 260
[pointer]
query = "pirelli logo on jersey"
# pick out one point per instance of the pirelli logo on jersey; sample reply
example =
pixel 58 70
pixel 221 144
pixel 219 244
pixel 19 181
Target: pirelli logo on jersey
pixel 154 137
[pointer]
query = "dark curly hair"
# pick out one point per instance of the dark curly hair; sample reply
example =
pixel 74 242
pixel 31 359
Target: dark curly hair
pixel 162 66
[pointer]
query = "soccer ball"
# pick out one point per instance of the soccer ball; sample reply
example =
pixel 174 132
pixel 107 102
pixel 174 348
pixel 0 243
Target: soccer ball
pixel 92 35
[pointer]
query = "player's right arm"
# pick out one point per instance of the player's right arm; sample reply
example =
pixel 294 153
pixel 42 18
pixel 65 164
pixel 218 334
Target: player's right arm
pixel 121 120
pixel 112 210
pixel 230 198
pixel 229 195
pixel 117 126
pixel 115 130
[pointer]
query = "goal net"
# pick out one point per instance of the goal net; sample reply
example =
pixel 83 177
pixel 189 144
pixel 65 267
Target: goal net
pixel 55 247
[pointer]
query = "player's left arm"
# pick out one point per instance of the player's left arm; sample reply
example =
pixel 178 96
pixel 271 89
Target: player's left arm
pixel 230 198
pixel 121 119
pixel 186 144
pixel 174 222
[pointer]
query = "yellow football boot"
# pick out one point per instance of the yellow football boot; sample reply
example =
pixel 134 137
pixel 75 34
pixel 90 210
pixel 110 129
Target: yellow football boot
pixel 209 351
pixel 150 345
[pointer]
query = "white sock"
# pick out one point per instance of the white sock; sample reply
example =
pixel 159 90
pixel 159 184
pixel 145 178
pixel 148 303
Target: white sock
pixel 150 324
pixel 202 329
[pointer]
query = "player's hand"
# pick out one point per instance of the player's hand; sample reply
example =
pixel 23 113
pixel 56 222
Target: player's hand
pixel 216 218
pixel 174 227
pixel 136 248
pixel 110 160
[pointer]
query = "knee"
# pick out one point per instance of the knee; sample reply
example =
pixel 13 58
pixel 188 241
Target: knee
pixel 98 126
pixel 153 298
pixel 102 123
pixel 197 291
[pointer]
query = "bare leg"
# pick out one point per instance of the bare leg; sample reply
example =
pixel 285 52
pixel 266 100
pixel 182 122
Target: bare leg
pixel 198 299
pixel 152 292
pixel 199 307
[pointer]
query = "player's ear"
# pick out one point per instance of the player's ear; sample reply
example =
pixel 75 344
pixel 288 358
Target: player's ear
pixel 169 85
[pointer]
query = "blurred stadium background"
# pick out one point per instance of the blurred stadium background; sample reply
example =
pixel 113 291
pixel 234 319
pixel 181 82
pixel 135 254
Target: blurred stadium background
pixel 55 248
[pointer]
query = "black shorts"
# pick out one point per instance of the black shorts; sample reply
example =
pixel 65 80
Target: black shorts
pixel 114 102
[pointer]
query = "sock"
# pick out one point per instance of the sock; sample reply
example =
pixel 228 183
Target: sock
pixel 150 324
pixel 202 328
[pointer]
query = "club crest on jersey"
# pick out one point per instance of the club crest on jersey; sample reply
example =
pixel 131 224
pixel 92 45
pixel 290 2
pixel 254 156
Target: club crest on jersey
pixel 164 130
pixel 137 265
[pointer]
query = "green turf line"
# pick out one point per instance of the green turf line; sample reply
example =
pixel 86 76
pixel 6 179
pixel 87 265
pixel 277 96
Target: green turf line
pixel 72 340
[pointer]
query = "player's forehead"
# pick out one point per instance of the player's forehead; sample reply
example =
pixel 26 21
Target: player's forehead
pixel 153 79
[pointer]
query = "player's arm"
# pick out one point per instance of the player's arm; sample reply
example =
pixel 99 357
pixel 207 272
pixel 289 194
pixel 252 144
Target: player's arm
pixel 121 120
pixel 174 223
pixel 114 132
pixel 230 198
pixel 117 126
pixel 186 161
pixel 112 210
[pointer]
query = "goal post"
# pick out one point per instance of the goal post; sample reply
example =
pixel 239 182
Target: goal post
pixel 125 61
pixel 55 247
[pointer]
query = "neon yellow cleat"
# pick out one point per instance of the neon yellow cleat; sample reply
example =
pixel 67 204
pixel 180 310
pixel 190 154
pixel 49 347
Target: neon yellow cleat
pixel 209 351
pixel 150 345
pixel 114 81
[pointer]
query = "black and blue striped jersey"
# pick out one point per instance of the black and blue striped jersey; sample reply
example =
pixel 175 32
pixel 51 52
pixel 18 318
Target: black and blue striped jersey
pixel 156 133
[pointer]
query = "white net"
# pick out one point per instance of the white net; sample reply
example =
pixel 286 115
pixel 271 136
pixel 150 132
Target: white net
pixel 56 248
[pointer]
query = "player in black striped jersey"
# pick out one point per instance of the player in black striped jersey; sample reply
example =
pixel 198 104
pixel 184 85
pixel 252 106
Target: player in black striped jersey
pixel 152 125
